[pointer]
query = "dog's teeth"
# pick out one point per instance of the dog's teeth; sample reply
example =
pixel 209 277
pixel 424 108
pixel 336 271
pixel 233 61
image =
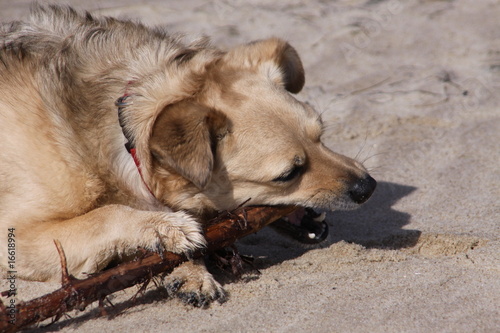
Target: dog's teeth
pixel 320 218
pixel 311 235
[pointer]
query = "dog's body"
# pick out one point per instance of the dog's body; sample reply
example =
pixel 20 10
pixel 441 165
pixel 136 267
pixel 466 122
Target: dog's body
pixel 209 129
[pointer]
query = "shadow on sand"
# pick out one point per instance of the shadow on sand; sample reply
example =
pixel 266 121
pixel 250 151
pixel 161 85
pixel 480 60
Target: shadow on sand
pixel 374 225
pixel 377 223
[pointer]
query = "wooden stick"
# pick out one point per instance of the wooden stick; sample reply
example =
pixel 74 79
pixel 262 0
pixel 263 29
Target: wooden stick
pixel 220 232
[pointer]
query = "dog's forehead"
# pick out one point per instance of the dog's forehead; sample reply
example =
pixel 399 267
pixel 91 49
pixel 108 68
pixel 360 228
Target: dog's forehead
pixel 283 116
pixel 275 128
pixel 256 105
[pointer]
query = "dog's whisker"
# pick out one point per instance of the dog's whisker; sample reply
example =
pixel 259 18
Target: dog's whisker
pixel 376 169
pixel 373 156
pixel 362 146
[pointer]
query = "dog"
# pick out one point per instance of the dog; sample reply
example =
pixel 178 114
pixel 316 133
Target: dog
pixel 117 136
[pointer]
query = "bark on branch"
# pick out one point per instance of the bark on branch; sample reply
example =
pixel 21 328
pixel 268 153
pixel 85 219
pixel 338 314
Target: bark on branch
pixel 220 232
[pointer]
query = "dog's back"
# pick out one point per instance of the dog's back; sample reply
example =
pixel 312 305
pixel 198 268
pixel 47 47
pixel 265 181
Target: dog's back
pixel 37 163
pixel 49 28
pixel 59 72
pixel 48 132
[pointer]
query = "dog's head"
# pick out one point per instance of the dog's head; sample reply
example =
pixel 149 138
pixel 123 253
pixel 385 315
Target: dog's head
pixel 243 138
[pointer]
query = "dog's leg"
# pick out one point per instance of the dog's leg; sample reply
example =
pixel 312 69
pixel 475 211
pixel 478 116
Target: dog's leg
pixel 193 284
pixel 92 240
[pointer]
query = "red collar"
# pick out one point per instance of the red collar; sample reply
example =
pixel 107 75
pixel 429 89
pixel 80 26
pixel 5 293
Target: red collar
pixel 133 153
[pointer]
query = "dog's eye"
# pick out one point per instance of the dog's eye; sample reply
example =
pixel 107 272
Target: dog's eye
pixel 290 175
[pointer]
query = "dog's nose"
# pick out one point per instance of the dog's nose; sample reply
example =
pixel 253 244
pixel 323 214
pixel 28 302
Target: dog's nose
pixel 362 189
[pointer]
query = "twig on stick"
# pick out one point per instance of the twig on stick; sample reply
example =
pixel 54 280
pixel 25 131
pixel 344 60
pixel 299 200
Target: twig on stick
pixel 65 278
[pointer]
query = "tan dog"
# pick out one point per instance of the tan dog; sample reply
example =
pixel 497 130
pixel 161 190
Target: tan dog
pixel 209 130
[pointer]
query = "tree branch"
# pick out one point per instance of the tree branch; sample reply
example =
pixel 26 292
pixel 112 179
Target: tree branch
pixel 220 232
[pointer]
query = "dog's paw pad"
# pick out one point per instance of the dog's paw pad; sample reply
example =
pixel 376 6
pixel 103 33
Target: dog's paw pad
pixel 199 299
pixel 195 299
pixel 193 285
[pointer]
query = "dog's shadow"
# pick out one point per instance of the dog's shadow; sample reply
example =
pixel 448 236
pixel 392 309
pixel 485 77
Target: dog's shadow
pixel 377 223
pixel 374 225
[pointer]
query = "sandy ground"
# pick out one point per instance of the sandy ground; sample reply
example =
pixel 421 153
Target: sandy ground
pixel 409 87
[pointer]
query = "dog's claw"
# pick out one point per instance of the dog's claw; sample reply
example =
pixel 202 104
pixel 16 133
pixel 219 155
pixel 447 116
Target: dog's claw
pixel 173 287
pixel 159 248
pixel 220 296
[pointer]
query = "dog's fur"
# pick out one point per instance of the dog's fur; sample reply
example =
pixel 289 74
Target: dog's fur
pixel 212 130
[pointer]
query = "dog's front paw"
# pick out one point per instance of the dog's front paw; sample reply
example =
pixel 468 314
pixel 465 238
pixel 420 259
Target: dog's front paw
pixel 194 285
pixel 176 232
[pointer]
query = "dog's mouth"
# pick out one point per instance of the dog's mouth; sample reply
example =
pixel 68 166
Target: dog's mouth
pixel 303 225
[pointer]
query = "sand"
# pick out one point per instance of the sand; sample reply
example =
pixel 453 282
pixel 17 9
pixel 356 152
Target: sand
pixel 410 88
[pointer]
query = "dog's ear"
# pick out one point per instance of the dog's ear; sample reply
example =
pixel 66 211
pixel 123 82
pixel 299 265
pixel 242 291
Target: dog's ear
pixel 276 58
pixel 184 140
